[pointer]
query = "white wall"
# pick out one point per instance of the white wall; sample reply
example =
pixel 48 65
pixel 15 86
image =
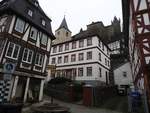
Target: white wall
pixel 118 75
pixel 88 63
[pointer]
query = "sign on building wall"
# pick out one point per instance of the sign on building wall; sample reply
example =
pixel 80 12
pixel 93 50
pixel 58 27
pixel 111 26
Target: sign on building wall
pixel 8 70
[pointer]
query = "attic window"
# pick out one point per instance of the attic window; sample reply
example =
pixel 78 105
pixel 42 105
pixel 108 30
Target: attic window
pixel 36 4
pixel 43 22
pixel 30 13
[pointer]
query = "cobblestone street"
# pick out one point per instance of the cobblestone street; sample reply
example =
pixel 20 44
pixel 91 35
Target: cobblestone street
pixel 74 108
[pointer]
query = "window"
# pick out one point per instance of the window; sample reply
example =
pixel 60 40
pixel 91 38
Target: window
pixel 99 43
pixel 39 59
pixel 54 49
pixel 30 13
pixel 33 33
pixel 67 46
pixel 105 61
pixel 89 41
pixel 103 47
pixel 59 60
pixel 80 71
pixel 67 34
pixel 108 63
pixel 66 59
pixel 100 72
pixel 124 74
pixel 107 51
pixel 19 25
pixel 81 56
pixel 89 71
pixel 73 45
pixel 107 78
pixel 60 48
pixel 36 3
pixel 43 22
pixel 2 43
pixel 100 57
pixel 89 55
pixel 27 55
pixel 81 43
pixel 73 58
pixel 13 50
pixel 53 60
pixel 44 39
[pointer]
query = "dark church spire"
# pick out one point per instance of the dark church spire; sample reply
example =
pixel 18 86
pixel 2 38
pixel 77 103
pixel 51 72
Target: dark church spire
pixel 63 24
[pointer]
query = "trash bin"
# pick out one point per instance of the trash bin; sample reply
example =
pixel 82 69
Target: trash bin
pixel 135 101
pixel 10 108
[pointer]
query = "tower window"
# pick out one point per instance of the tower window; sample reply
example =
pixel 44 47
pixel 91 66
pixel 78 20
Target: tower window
pixel 67 34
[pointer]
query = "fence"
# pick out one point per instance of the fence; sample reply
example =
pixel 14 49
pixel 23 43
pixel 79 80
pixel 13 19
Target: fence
pixel 64 92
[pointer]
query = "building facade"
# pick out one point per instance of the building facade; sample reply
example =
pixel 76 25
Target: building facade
pixel 123 75
pixel 25 43
pixel 136 15
pixel 84 57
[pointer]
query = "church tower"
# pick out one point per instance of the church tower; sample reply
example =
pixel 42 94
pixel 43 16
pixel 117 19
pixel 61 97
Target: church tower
pixel 63 33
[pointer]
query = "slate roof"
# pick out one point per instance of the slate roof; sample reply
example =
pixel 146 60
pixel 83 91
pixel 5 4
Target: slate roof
pixel 63 25
pixel 20 8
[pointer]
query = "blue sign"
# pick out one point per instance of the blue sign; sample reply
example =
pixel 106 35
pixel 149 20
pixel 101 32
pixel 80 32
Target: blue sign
pixel 9 68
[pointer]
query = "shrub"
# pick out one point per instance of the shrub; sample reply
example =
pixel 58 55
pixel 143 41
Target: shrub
pixel 59 80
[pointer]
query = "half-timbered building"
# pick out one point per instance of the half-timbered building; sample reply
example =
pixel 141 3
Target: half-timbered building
pixel 136 16
pixel 25 43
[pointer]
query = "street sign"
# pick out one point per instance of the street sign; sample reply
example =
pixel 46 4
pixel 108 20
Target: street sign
pixel 9 68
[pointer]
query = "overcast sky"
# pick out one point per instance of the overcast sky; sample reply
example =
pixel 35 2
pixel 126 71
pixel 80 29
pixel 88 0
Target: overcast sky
pixel 80 13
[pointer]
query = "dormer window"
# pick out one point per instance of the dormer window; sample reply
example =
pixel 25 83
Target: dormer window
pixel 30 12
pixel 43 22
pixel 36 3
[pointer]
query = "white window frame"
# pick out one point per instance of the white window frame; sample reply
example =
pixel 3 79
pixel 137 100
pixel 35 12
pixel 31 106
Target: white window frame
pixel 12 54
pixel 28 53
pixel 34 33
pixel 60 49
pixel 59 60
pixel 55 49
pixel 88 56
pixel 73 57
pixel 66 46
pixel 87 70
pixel 74 44
pixel 79 69
pixel 19 26
pixel 44 39
pixel 66 59
pixel 89 39
pixel 39 63
pixel 81 43
pixel 81 58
